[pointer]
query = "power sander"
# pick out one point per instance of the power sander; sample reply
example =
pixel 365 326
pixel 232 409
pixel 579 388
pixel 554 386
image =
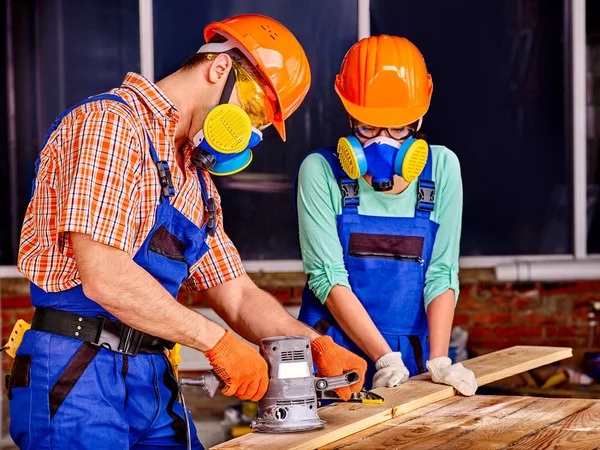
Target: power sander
pixel 290 403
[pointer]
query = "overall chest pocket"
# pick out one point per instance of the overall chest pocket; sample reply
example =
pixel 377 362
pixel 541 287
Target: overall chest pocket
pixel 167 245
pixel 383 246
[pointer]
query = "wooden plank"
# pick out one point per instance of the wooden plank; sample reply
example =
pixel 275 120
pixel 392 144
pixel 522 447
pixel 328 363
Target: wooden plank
pixel 529 420
pixel 444 412
pixel 346 419
pixel 580 431
pixel 472 423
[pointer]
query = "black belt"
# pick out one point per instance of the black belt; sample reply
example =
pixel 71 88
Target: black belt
pixel 111 334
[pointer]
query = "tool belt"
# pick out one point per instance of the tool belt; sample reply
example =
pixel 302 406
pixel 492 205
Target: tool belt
pixel 113 335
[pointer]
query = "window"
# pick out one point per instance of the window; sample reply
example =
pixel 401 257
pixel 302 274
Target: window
pixel 258 204
pixel 62 51
pixel 593 124
pixel 499 103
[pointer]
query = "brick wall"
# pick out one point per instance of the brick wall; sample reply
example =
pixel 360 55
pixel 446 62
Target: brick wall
pixel 496 315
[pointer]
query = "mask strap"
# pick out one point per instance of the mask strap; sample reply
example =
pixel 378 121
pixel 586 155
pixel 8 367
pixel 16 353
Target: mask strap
pixel 228 89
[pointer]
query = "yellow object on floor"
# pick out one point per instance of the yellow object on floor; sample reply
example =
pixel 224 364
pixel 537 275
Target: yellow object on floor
pixel 16 336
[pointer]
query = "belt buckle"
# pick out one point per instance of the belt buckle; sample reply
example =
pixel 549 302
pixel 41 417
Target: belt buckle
pixel 104 337
pixel 130 340
pixel 121 339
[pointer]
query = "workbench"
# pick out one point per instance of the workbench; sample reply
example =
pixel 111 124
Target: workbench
pixel 486 422
pixel 420 414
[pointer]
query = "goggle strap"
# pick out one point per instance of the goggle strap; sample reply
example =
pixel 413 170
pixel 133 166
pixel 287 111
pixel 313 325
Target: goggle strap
pixel 228 88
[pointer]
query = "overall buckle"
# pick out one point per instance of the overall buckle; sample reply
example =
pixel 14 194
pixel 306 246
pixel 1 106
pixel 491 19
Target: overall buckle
pixel 166 180
pixel 349 188
pixel 212 216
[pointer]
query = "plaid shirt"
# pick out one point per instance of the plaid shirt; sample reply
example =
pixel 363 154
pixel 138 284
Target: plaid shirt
pixel 96 176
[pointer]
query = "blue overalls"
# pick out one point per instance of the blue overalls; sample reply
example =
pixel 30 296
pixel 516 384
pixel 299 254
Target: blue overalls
pixel 386 259
pixel 77 395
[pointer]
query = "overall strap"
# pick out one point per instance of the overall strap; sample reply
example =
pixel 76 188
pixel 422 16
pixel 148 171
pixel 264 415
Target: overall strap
pixel 425 190
pixel 348 186
pixel 210 203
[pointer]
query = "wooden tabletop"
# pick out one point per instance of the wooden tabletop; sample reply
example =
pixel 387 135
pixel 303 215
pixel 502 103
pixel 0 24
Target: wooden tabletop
pixel 487 422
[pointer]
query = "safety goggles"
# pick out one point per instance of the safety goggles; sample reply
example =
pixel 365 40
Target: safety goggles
pixel 255 97
pixel 369 132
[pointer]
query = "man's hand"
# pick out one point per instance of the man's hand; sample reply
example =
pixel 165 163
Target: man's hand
pixel 391 371
pixel 240 366
pixel 333 360
pixel 455 375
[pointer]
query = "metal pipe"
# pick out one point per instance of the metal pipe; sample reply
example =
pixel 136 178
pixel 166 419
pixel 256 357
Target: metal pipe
pixel 549 271
pixel 146 39
pixel 12 130
pixel 579 142
pixel 364 19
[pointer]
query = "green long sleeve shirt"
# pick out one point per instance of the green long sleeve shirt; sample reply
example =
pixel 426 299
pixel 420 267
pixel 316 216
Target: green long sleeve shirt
pixel 320 202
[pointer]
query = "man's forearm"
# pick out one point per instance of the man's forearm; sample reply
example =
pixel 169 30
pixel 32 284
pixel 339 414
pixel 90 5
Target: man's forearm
pixel 252 312
pixel 113 280
pixel 440 314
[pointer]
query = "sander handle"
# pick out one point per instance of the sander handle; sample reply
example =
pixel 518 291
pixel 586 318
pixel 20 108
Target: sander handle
pixel 339 381
pixel 209 382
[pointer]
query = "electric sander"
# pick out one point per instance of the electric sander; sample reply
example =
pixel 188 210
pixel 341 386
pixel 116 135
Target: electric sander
pixel 291 401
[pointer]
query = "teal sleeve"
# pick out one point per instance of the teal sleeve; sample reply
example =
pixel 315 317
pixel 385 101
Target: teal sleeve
pixel 322 253
pixel 442 273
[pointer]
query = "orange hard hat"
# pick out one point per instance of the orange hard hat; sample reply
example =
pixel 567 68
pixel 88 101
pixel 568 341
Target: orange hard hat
pixel 276 53
pixel 384 82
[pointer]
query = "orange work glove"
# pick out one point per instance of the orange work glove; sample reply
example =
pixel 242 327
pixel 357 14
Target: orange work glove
pixel 332 360
pixel 241 368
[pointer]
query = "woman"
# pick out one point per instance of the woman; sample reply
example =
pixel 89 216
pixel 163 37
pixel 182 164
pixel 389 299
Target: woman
pixel 380 221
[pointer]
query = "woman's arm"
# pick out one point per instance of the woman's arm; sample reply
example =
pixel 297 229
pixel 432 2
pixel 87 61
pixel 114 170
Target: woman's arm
pixel 354 319
pixel 440 315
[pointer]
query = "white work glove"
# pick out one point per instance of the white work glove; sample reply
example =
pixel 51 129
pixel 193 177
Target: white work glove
pixel 391 371
pixel 455 375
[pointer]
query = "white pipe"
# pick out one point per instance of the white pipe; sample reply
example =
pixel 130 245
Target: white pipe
pixel 146 39
pixel 579 143
pixel 364 19
pixel 549 271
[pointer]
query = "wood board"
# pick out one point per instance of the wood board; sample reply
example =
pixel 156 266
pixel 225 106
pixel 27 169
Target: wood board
pixel 485 422
pixel 344 419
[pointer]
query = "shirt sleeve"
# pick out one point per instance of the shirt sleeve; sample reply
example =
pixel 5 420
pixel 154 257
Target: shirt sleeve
pixel 222 261
pixel 442 273
pixel 97 180
pixel 322 253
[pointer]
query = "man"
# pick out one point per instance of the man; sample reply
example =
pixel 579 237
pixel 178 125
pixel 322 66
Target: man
pixel 121 217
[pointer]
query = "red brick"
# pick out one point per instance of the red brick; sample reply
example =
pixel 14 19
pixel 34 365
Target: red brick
pixel 534 318
pixel 481 333
pixel 8 317
pixel 461 319
pixel 493 345
pixel 297 292
pixel 22 301
pixel 25 314
pixel 470 303
pixel 280 294
pixel 554 331
pixel 519 332
pixel 491 317
pixel 523 302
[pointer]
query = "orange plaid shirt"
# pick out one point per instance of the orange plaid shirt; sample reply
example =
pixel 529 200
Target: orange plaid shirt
pixel 96 176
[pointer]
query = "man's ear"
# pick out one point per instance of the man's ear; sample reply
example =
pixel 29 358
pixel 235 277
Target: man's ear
pixel 219 68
